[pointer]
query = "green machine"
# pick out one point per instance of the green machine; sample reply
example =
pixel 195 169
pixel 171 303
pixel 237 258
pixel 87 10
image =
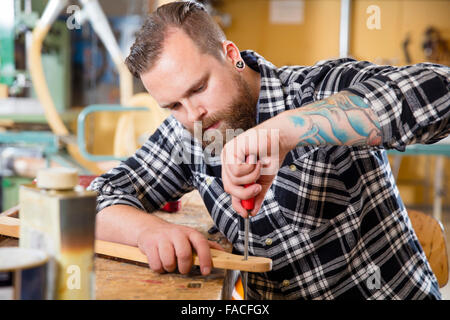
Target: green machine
pixel 18 18
pixel 7 35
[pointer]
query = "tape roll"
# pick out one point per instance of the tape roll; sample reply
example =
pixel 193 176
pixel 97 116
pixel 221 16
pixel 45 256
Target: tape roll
pixel 57 178
pixel 23 274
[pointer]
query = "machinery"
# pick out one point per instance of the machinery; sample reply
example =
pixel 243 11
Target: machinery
pixel 19 18
pixel 92 12
pixel 35 75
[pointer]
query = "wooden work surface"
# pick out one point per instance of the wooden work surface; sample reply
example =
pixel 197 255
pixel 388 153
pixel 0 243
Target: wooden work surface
pixel 119 279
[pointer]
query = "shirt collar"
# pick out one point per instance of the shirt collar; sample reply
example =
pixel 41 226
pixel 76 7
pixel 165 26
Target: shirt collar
pixel 271 94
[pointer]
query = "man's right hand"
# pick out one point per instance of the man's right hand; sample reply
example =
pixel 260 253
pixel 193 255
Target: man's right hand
pixel 168 246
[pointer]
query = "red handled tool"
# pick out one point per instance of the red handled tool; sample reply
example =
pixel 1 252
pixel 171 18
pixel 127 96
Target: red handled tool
pixel 248 204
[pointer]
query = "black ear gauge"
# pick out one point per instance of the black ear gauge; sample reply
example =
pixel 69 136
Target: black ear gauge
pixel 240 64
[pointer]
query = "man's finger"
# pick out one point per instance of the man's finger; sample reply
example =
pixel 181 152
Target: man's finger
pixel 154 261
pixel 215 245
pixel 183 251
pixel 237 206
pixel 259 199
pixel 243 193
pixel 201 246
pixel 239 170
pixel 248 178
pixel 239 190
pixel 258 203
pixel 167 255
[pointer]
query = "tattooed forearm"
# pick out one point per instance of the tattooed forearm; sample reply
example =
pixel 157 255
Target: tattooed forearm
pixel 342 119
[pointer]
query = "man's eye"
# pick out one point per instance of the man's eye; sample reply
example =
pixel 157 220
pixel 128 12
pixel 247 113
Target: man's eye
pixel 174 106
pixel 199 88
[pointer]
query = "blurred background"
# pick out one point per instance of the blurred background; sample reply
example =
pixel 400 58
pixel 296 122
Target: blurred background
pixel 78 70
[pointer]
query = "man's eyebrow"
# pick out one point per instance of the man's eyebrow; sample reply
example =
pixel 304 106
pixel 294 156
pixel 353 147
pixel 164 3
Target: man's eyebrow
pixel 189 91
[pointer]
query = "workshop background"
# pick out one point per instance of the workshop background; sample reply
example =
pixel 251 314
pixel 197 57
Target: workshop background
pixel 80 72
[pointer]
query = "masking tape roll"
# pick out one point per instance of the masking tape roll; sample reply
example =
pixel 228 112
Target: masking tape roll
pixel 57 178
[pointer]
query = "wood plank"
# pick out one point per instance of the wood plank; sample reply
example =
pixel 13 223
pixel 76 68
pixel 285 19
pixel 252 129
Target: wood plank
pixel 116 280
pixel 220 259
pixel 11 212
pixel 9 226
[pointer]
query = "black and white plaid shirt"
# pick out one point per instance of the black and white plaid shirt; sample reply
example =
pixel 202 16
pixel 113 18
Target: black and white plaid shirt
pixel 333 221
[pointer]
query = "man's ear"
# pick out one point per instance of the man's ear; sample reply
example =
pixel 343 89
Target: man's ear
pixel 231 52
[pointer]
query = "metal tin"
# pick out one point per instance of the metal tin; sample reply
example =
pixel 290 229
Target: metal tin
pixel 23 274
pixel 62 223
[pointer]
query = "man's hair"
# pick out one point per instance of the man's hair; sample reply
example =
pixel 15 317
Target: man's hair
pixel 189 16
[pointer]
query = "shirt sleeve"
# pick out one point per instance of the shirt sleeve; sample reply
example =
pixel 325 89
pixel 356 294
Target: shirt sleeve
pixel 412 103
pixel 149 178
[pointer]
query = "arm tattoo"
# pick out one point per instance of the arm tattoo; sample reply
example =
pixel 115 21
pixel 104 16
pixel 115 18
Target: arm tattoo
pixel 342 119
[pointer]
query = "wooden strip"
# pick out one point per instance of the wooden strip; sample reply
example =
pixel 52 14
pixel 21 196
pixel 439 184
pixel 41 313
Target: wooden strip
pixel 11 211
pixel 225 260
pixel 220 259
pixel 9 226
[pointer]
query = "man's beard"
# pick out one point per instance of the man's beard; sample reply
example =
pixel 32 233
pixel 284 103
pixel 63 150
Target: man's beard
pixel 238 117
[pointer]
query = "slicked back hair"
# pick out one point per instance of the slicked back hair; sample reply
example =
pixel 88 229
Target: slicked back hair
pixel 189 16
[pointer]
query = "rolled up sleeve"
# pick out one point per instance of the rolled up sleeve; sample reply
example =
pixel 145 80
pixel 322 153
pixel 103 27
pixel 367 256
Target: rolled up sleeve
pixel 412 103
pixel 149 178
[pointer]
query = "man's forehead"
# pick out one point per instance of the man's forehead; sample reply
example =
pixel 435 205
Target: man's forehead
pixel 169 80
pixel 179 66
pixel 178 51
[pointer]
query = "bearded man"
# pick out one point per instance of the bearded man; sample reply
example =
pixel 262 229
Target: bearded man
pixel 327 209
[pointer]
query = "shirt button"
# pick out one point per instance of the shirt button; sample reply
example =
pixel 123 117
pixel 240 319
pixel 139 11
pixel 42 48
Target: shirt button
pixel 285 283
pixel 268 241
pixel 292 167
pixel 208 181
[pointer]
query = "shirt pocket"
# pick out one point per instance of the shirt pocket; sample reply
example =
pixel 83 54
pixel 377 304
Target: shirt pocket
pixel 335 246
pixel 309 189
pixel 269 228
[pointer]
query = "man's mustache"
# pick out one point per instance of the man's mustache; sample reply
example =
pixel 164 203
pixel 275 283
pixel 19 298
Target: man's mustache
pixel 208 122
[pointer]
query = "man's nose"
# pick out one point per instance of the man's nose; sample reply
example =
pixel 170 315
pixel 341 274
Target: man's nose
pixel 195 113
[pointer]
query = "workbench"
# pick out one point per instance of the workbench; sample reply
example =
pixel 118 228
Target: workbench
pixel 120 279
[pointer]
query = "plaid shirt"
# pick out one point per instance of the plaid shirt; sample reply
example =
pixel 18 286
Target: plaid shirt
pixel 333 221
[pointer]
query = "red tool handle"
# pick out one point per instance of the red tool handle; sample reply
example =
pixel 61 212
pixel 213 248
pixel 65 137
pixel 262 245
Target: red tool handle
pixel 248 204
